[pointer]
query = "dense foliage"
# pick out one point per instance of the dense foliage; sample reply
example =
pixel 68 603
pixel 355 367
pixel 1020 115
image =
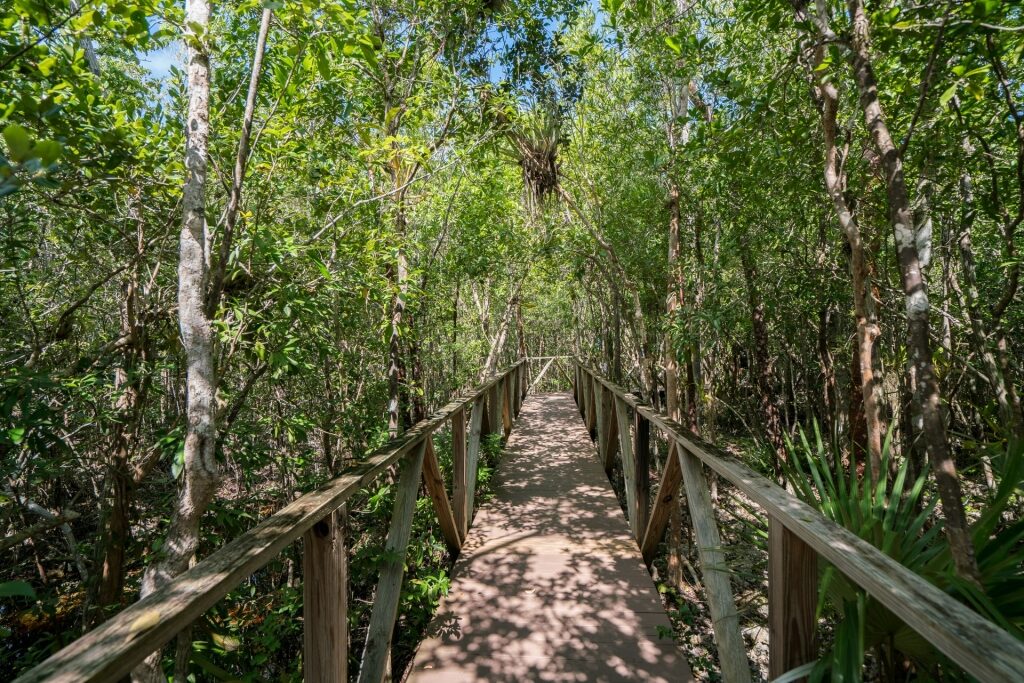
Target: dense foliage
pixel 767 217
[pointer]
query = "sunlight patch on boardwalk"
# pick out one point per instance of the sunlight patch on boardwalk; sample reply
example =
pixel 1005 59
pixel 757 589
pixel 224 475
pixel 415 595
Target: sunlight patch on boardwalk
pixel 550 585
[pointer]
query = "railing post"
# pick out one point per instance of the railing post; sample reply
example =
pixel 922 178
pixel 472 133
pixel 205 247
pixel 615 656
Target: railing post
pixel 732 652
pixel 493 409
pixel 642 480
pixel 524 385
pixel 628 463
pixel 668 495
pixel 325 601
pixel 577 388
pixel 459 486
pixel 792 600
pixel 584 395
pixel 609 437
pixel 517 383
pixel 506 405
pixel 477 415
pixel 591 417
pixel 434 481
pixel 377 650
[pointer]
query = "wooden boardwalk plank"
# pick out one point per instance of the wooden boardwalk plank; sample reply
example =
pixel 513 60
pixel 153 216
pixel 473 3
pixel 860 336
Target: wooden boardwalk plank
pixel 550 585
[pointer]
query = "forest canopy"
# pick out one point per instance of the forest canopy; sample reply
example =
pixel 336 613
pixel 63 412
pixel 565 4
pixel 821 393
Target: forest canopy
pixel 245 243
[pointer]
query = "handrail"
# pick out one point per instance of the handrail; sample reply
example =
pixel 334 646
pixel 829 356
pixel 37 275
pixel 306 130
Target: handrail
pixel 113 649
pixel 798 533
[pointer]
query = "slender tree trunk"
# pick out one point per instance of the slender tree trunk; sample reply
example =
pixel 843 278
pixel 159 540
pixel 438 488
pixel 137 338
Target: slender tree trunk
pixel 398 274
pixel 201 472
pixel 85 43
pixel 863 303
pixel 927 397
pixel 828 371
pixel 455 334
pixel 238 175
pixel 866 426
pixel 417 385
pixel 118 485
pixel 1008 413
pixel 498 345
pixel 763 366
pixel 115 524
pixel 672 304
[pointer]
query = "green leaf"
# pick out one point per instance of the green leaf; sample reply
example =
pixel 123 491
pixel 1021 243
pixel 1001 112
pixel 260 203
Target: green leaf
pixel 46 66
pixel 674 44
pixel 178 464
pixel 17 589
pixel 18 142
pixel 48 151
pixel 16 435
pixel 945 97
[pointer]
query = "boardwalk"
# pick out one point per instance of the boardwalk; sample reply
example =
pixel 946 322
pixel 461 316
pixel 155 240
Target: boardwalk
pixel 550 585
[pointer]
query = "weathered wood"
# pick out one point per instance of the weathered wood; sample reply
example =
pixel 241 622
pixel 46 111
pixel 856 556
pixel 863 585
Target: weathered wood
pixel 583 397
pixel 325 601
pixel 668 495
pixel 476 419
pixel 550 584
pixel 434 481
pixel 459 473
pixel 493 410
pixel 792 600
pixel 983 649
pixel 540 376
pixel 628 464
pixel 485 418
pixel 114 648
pixel 506 406
pixel 591 409
pixel 599 415
pixel 377 649
pixel 609 443
pixel 732 653
pixel 517 396
pixel 642 480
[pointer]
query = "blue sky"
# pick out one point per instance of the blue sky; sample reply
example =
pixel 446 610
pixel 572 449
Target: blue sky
pixel 159 62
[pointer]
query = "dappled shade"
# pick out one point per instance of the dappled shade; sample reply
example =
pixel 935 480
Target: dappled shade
pixel 550 585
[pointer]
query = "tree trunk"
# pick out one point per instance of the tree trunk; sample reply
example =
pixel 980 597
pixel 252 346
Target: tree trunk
pixel 927 397
pixel 119 484
pixel 398 276
pixel 201 472
pixel 866 426
pixel 672 303
pixel 238 175
pixel 1008 412
pixel 763 366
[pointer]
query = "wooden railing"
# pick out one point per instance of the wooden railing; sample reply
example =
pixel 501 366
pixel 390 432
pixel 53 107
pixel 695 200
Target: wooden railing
pixel 110 651
pixel 798 536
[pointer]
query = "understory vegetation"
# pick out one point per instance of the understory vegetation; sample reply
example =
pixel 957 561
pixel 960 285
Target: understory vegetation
pixel 244 243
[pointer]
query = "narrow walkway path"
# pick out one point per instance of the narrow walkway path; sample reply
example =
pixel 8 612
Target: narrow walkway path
pixel 550 585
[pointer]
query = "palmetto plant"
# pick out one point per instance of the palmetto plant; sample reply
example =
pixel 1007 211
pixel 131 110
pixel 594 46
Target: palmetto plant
pixel 897 517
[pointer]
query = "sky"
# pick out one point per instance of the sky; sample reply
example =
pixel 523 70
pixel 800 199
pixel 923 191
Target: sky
pixel 159 62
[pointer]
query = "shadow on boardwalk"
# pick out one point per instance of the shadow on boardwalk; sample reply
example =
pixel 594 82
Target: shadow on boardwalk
pixel 550 585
